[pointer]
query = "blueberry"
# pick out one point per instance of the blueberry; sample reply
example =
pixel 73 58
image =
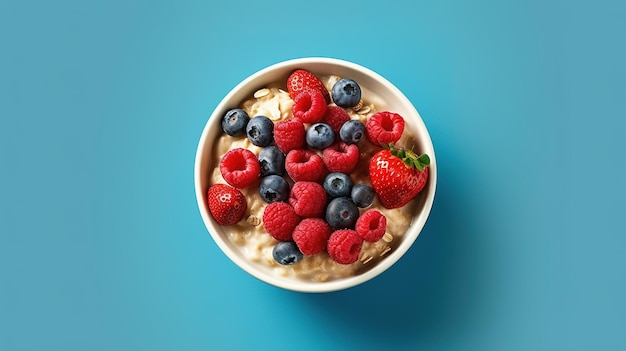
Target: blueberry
pixel 272 161
pixel 274 188
pixel 341 213
pixel 352 131
pixel 320 136
pixel 346 93
pixel 260 130
pixel 362 195
pixel 337 184
pixel 287 252
pixel 234 122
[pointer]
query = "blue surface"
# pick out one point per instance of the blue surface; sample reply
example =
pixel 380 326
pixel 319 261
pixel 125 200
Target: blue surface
pixel 102 104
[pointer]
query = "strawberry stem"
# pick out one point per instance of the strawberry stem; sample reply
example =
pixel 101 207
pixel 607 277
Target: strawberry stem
pixel 410 158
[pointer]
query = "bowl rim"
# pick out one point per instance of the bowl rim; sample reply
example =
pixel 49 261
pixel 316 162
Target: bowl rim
pixel 301 285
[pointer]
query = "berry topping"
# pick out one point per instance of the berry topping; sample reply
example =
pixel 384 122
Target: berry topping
pixel 398 175
pixel 304 165
pixel 346 93
pixel 289 134
pixel 337 184
pixel 344 246
pixel 308 199
pixel 320 136
pixel 384 128
pixel 371 225
pixel 352 131
pixel 234 122
pixel 271 161
pixel 300 80
pixel 341 157
pixel 335 117
pixel 240 167
pixel 260 131
pixel 341 213
pixel 362 195
pixel 311 235
pixel 309 106
pixel 279 220
pixel 226 204
pixel 274 188
pixel 286 253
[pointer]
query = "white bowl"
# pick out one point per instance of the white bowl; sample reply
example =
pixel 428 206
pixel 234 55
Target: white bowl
pixel 371 84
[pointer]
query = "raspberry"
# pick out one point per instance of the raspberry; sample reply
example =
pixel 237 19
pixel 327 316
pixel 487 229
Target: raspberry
pixel 309 106
pixel 240 167
pixel 341 157
pixel 371 225
pixel 305 165
pixel 344 246
pixel 289 134
pixel 335 117
pixel 308 199
pixel 311 235
pixel 384 128
pixel 279 220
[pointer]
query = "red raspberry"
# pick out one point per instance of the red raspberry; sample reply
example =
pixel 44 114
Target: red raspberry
pixel 335 117
pixel 371 225
pixel 309 106
pixel 344 246
pixel 240 167
pixel 300 80
pixel 341 157
pixel 311 235
pixel 226 204
pixel 289 134
pixel 308 199
pixel 384 128
pixel 305 165
pixel 279 220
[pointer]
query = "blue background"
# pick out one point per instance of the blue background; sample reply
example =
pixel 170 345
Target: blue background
pixel 102 246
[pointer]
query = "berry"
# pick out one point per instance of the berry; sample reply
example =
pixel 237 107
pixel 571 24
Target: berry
pixel 304 165
pixel 341 213
pixel 289 134
pixel 344 246
pixel 279 220
pixel 335 117
pixel 308 199
pixel 362 195
pixel 384 128
pixel 346 93
pixel 320 136
pixel 337 184
pixel 309 106
pixel 341 157
pixel 260 131
pixel 352 131
pixel 311 235
pixel 271 161
pixel 398 175
pixel 274 188
pixel 371 225
pixel 226 204
pixel 234 122
pixel 300 80
pixel 240 167
pixel 286 253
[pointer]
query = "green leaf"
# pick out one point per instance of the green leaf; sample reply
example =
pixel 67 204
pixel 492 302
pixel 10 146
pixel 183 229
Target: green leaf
pixel 424 159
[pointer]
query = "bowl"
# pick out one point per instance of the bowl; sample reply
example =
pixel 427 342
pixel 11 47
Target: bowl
pixel 385 95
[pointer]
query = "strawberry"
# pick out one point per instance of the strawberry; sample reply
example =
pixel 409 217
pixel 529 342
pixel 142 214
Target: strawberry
pixel 226 204
pixel 398 175
pixel 300 80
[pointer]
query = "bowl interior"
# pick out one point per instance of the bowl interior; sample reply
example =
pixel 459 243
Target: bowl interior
pixel 375 89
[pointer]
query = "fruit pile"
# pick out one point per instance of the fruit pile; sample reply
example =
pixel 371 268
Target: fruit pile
pixel 303 172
